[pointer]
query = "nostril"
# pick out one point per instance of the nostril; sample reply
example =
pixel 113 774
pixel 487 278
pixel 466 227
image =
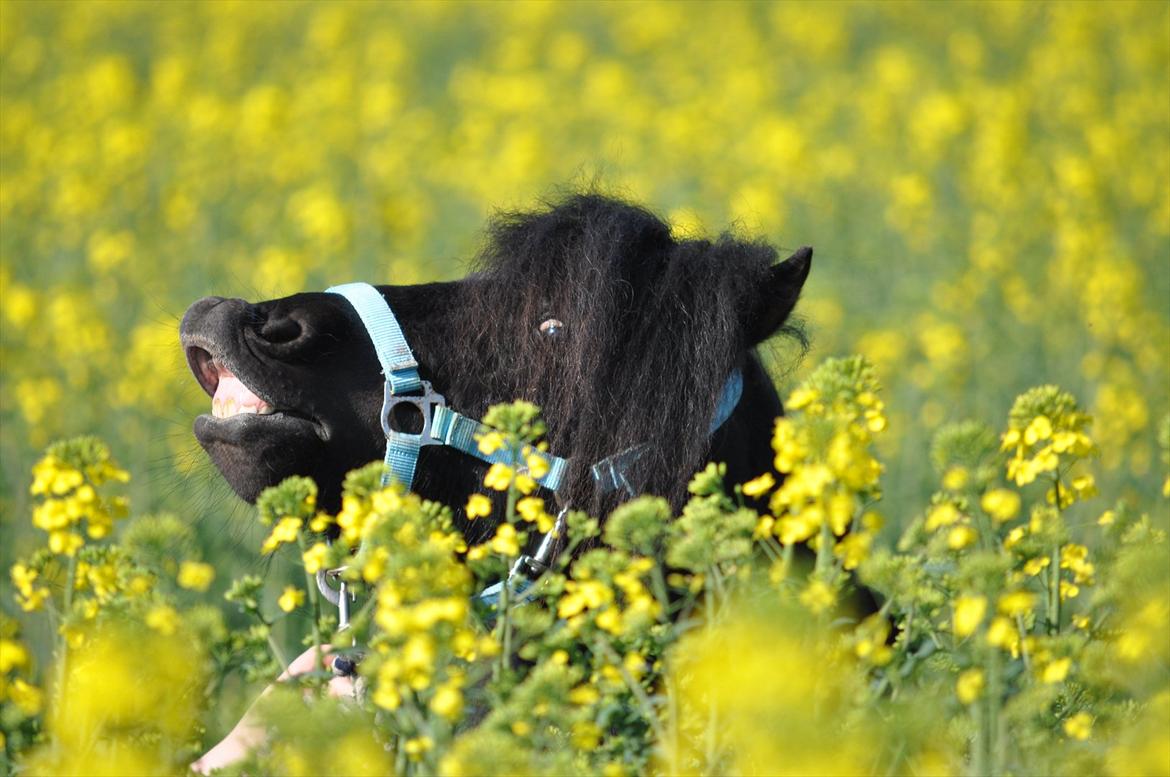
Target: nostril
pixel 280 330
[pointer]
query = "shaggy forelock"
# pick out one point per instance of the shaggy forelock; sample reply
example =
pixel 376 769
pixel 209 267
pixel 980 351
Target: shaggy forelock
pixel 653 328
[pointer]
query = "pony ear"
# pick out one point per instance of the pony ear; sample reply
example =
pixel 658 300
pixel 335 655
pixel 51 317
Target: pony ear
pixel 777 298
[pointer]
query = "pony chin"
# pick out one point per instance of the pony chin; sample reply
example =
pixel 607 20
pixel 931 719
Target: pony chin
pixel 288 446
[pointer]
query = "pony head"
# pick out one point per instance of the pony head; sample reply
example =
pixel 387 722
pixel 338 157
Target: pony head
pixel 590 308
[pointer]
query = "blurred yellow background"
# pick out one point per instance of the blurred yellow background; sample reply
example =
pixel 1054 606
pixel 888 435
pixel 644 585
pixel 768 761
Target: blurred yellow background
pixel 986 186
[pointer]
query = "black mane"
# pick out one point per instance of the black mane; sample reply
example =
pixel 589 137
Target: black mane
pixel 653 328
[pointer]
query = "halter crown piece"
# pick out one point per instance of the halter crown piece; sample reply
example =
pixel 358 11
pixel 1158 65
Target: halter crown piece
pixel 444 426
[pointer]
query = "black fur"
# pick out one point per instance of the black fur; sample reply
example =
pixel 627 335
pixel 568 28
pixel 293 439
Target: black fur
pixel 653 326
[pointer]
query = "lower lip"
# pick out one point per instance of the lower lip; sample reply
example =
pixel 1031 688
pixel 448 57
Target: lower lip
pixel 249 423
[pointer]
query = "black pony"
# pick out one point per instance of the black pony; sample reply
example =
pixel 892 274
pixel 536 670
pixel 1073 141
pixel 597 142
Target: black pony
pixel 624 335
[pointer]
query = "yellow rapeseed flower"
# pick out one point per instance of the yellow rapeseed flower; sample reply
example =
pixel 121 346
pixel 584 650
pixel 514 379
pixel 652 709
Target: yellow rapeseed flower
pixel 537 465
pixel 956 478
pixel 490 442
pixel 12 655
pixel 1035 566
pixel 1056 671
pixel 163 619
pixel 759 486
pixel 969 611
pixel 506 542
pixel 801 397
pixel 28 698
pixel 525 484
pixel 195 575
pixel 1002 634
pixel 944 514
pixel 285 530
pixel 291 599
pixel 65 543
pixel 315 557
pixel 970 686
pixel 1016 603
pixel 1079 726
pixel 498 477
pixel 320 522
pixel 530 508
pixel 961 536
pixel 584 695
pixel 818 596
pixel 1001 504
pixel 447 702
pixel 417 747
pixel 478 506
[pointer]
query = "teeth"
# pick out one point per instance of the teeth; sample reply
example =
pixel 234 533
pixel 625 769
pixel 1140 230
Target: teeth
pixel 227 408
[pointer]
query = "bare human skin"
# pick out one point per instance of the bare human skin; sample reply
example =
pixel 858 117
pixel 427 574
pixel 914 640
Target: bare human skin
pixel 248 733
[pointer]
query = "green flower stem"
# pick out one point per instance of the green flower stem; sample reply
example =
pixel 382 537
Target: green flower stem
pixel 421 727
pixel 712 712
pixel 1054 593
pixel 277 653
pixel 635 687
pixel 789 554
pixel 506 593
pixel 658 585
pixel 996 738
pixel 63 646
pixel 979 747
pixel 771 549
pixel 824 550
pixel 672 711
pixel 401 764
pixel 315 599
pixel 66 608
pixel 1054 578
pixel 720 590
pixel 1023 632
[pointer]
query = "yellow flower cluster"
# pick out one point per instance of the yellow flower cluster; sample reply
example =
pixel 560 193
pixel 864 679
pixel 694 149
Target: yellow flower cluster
pixel 1045 431
pixel 71 501
pixel 588 600
pixel 824 453
pixel 421 605
pixel 15 660
pixel 131 705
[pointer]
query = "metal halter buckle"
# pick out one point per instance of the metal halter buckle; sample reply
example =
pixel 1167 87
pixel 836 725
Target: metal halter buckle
pixel 537 564
pixel 339 597
pixel 425 404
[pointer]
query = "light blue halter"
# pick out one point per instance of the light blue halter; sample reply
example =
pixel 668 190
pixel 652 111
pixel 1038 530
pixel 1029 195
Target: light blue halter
pixel 444 426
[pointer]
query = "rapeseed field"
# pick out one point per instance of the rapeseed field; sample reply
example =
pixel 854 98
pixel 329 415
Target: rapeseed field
pixel 986 188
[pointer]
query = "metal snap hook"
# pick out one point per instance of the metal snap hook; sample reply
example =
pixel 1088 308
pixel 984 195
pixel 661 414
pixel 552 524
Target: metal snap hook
pixel 339 597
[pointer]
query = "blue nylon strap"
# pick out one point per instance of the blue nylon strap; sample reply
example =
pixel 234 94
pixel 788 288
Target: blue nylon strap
pixel 728 399
pixel 398 363
pixel 401 458
pixel 460 432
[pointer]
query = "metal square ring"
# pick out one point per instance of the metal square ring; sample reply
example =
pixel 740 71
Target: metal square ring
pixel 425 404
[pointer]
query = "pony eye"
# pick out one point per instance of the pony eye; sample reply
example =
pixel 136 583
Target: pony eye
pixel 551 327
